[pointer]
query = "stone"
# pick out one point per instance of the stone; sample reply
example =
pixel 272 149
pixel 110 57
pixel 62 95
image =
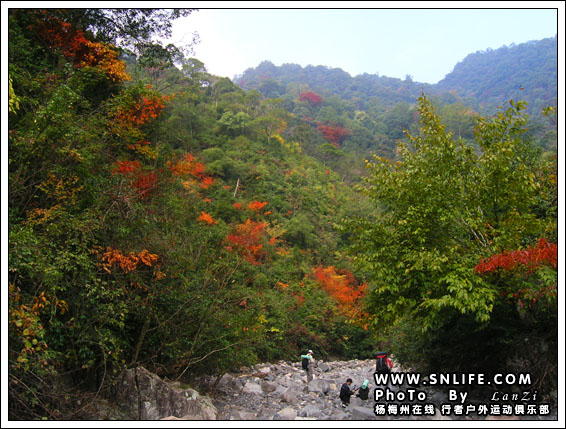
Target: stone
pixel 286 414
pixel 268 387
pixel 323 367
pixel 310 411
pixel 246 415
pixel 252 387
pixel 145 396
pixel 362 413
pixel 338 415
pixel 319 385
pixel 291 395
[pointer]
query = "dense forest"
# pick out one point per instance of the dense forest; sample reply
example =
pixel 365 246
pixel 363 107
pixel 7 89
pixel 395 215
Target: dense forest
pixel 160 216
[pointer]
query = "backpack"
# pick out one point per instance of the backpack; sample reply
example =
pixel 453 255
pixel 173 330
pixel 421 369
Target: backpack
pixel 305 363
pixel 381 363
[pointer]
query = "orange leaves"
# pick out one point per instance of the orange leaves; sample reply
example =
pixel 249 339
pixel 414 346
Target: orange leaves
pixel 206 218
pixel 114 258
pixel 544 253
pixel 189 166
pixel 142 111
pixel 341 285
pixel 104 57
pixel 72 42
pixel 206 182
pixel 247 240
pixel 257 205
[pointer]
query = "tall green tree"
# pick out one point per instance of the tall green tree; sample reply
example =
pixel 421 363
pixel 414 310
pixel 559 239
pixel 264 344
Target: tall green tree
pixel 440 208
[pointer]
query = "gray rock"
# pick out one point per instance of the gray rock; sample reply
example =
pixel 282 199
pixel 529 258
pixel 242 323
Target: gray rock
pixel 291 395
pixel 338 415
pixel 246 415
pixel 145 396
pixel 252 387
pixel 319 385
pixel 268 387
pixel 286 414
pixel 323 367
pixel 362 413
pixel 310 411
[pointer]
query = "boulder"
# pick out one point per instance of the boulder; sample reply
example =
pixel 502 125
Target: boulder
pixel 362 413
pixel 286 414
pixel 252 387
pixel 319 385
pixel 323 367
pixel 310 411
pixel 268 387
pixel 244 415
pixel 338 415
pixel 145 396
pixel 291 395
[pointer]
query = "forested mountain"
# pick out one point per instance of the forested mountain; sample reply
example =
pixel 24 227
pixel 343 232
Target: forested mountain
pixel 160 216
pixel 527 71
pixel 384 106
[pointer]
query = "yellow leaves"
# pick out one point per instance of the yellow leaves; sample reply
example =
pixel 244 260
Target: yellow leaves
pixel 144 149
pixel 160 275
pixel 40 216
pixel 104 57
pixel 62 189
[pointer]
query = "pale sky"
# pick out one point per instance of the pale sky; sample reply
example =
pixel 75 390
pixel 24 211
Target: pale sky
pixel 424 43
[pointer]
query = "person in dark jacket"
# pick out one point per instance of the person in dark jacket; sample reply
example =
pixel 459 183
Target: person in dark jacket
pixel 346 392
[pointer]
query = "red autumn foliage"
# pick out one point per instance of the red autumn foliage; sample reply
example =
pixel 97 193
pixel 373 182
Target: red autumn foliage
pixel 126 167
pixel 142 182
pixel 312 98
pixel 142 111
pixel 247 240
pixel 145 183
pixel 188 165
pixel 544 253
pixel 342 285
pixel 58 34
pixel 257 205
pixel 206 182
pixel 334 135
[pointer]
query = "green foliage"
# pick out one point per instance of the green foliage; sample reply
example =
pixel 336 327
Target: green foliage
pixel 122 202
pixel 440 208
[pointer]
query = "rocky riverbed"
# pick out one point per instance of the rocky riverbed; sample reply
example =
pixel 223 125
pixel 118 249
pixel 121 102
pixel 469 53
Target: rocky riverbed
pixel 279 391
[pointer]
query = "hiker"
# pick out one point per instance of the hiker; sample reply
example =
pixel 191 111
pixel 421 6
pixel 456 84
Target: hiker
pixel 383 364
pixel 364 390
pixel 308 365
pixel 346 392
